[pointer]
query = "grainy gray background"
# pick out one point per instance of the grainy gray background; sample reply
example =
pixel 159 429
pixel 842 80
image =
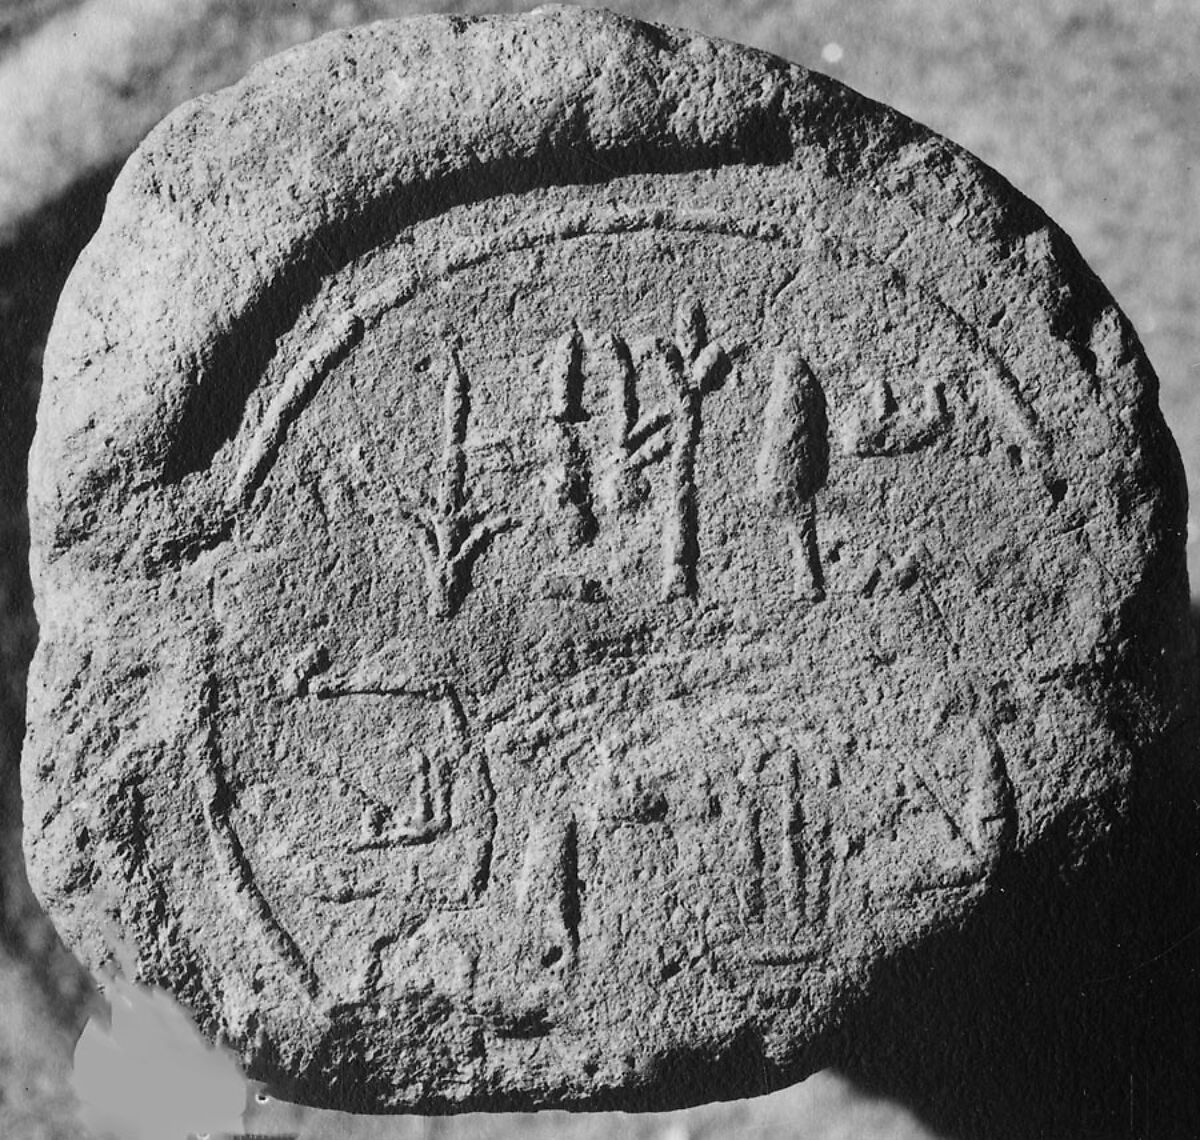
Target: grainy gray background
pixel 1088 106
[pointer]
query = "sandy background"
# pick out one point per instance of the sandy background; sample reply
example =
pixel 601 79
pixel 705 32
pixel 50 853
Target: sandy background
pixel 1090 107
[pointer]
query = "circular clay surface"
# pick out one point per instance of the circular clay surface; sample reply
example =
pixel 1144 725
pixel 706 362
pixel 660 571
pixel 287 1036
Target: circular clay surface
pixel 561 547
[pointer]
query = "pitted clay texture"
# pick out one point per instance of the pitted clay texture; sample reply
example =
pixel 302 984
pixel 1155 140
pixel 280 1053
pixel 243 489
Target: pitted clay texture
pixel 562 545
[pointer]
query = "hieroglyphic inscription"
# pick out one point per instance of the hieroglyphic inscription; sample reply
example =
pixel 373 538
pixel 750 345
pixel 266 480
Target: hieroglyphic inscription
pixel 793 465
pixel 568 482
pixel 793 863
pixel 885 428
pixel 436 762
pixel 449 532
pixel 788 855
pixel 983 827
pixel 878 571
pixel 991 810
pixel 547 893
pixel 428 814
pixel 580 490
pixel 694 367
pixel 750 856
pixel 635 440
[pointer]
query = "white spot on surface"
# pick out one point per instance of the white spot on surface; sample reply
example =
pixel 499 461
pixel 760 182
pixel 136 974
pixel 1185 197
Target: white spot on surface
pixel 150 1075
pixel 832 52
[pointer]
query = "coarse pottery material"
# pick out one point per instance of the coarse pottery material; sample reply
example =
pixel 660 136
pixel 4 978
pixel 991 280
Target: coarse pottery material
pixel 561 547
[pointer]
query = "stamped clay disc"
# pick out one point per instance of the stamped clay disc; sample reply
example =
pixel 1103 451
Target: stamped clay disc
pixel 561 547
